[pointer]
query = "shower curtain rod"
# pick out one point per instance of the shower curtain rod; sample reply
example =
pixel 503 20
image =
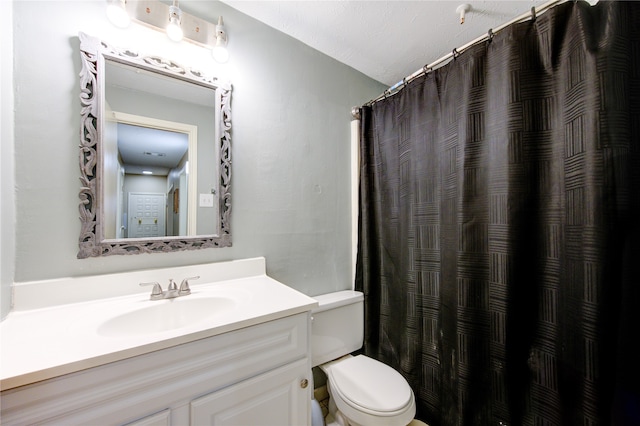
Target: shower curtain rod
pixel 455 52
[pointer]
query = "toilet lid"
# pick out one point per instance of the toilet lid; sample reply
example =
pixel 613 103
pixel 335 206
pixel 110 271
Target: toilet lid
pixel 366 383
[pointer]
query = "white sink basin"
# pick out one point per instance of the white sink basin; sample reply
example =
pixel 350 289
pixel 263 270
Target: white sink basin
pixel 165 315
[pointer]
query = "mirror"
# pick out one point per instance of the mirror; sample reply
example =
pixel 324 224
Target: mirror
pixel 154 154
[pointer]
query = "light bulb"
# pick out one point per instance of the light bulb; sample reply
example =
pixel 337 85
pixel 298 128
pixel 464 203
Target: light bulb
pixel 174 30
pixel 117 14
pixel 220 54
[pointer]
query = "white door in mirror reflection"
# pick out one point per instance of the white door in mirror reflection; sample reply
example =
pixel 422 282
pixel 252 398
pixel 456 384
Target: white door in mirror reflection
pixel 146 215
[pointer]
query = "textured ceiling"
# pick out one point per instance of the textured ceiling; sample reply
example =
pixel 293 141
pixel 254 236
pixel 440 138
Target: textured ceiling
pixel 385 40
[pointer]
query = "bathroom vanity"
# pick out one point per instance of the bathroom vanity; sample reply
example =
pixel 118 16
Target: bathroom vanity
pixel 249 363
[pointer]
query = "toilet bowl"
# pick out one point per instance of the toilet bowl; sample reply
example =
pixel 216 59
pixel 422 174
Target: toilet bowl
pixel 362 390
pixel 368 392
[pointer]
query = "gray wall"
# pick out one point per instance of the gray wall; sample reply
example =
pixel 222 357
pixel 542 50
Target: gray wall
pixel 290 180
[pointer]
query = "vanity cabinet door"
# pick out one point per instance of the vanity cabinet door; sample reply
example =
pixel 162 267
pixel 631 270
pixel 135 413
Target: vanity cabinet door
pixel 279 397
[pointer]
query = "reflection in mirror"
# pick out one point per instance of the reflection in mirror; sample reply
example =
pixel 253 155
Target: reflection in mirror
pixel 154 155
pixel 152 167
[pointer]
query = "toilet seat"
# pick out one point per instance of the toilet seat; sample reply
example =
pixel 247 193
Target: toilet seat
pixel 369 392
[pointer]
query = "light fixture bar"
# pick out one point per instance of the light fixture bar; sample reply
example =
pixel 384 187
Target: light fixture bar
pixel 155 14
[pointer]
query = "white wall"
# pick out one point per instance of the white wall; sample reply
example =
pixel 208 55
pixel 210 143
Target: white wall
pixel 290 155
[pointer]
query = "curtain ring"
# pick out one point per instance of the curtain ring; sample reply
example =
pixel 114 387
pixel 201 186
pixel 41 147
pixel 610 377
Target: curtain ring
pixel 490 35
pixel 404 82
pixel 455 53
pixel 533 14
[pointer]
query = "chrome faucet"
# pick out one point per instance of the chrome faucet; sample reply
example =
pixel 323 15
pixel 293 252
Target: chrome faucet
pixel 172 291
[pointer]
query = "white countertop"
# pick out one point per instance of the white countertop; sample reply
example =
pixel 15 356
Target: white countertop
pixel 43 343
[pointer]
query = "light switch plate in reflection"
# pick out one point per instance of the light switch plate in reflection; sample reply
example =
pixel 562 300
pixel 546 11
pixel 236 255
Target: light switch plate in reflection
pixel 206 200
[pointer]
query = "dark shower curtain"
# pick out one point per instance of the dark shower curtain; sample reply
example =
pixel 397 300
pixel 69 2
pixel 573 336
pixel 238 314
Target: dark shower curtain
pixel 499 237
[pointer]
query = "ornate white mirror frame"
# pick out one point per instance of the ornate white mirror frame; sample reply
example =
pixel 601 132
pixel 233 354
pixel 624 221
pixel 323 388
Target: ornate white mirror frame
pixel 92 241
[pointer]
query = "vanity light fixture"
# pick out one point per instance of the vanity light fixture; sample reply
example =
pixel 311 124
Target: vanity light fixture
pixel 177 24
pixel 117 13
pixel 174 28
pixel 220 52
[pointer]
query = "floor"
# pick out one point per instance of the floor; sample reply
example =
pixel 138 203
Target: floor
pixel 322 396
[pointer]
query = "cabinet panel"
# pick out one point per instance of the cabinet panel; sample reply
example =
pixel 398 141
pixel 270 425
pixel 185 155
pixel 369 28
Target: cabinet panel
pixel 275 398
pixel 162 418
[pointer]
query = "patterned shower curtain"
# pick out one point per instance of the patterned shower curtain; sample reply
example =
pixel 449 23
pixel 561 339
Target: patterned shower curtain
pixel 499 236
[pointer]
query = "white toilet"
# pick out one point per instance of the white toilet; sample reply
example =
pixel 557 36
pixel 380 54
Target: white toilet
pixel 362 391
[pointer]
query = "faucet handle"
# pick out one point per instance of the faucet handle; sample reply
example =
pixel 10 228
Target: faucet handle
pixel 156 293
pixel 184 287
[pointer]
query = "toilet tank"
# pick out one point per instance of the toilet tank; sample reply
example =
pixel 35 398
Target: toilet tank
pixel 337 325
